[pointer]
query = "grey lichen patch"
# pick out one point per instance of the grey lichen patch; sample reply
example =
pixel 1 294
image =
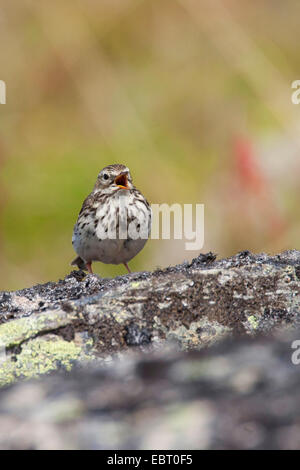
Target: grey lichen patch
pixel 226 276
pixel 121 316
pixel 184 285
pixel 199 334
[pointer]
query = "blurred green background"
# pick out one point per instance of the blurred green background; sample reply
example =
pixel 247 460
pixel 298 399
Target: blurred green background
pixel 194 96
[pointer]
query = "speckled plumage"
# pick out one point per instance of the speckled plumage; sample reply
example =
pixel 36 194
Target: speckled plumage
pixel 114 209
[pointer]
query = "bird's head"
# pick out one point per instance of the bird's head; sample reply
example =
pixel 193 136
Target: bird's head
pixel 113 178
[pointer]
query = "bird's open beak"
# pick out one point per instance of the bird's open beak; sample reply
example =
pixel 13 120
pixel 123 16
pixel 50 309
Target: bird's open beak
pixel 121 181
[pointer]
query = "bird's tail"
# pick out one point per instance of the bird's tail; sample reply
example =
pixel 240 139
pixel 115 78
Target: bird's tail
pixel 79 263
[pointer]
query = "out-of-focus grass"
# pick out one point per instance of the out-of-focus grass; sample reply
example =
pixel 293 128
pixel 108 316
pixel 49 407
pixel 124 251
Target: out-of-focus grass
pixel 164 87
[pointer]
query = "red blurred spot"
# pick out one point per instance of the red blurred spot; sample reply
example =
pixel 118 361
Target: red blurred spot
pixel 249 172
pixel 254 184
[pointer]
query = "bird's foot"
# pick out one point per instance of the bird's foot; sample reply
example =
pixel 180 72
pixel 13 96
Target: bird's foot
pixel 127 267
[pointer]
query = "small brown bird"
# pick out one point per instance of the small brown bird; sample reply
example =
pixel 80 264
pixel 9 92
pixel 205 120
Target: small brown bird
pixel 114 222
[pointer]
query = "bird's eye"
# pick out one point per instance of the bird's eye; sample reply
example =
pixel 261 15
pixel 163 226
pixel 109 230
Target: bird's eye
pixel 105 176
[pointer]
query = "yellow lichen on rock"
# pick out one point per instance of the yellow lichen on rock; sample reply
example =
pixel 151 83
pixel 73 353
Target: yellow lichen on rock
pixel 14 332
pixel 39 356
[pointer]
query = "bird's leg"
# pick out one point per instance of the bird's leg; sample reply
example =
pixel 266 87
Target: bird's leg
pixel 89 267
pixel 127 267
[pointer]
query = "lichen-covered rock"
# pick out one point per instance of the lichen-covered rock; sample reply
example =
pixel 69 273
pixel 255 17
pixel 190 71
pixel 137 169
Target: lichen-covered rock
pixel 192 305
pixel 241 394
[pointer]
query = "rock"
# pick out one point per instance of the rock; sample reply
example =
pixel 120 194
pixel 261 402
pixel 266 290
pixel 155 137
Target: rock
pixel 84 318
pixel 239 394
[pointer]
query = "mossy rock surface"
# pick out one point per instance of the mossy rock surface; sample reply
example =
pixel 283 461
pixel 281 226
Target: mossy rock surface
pixel 84 318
